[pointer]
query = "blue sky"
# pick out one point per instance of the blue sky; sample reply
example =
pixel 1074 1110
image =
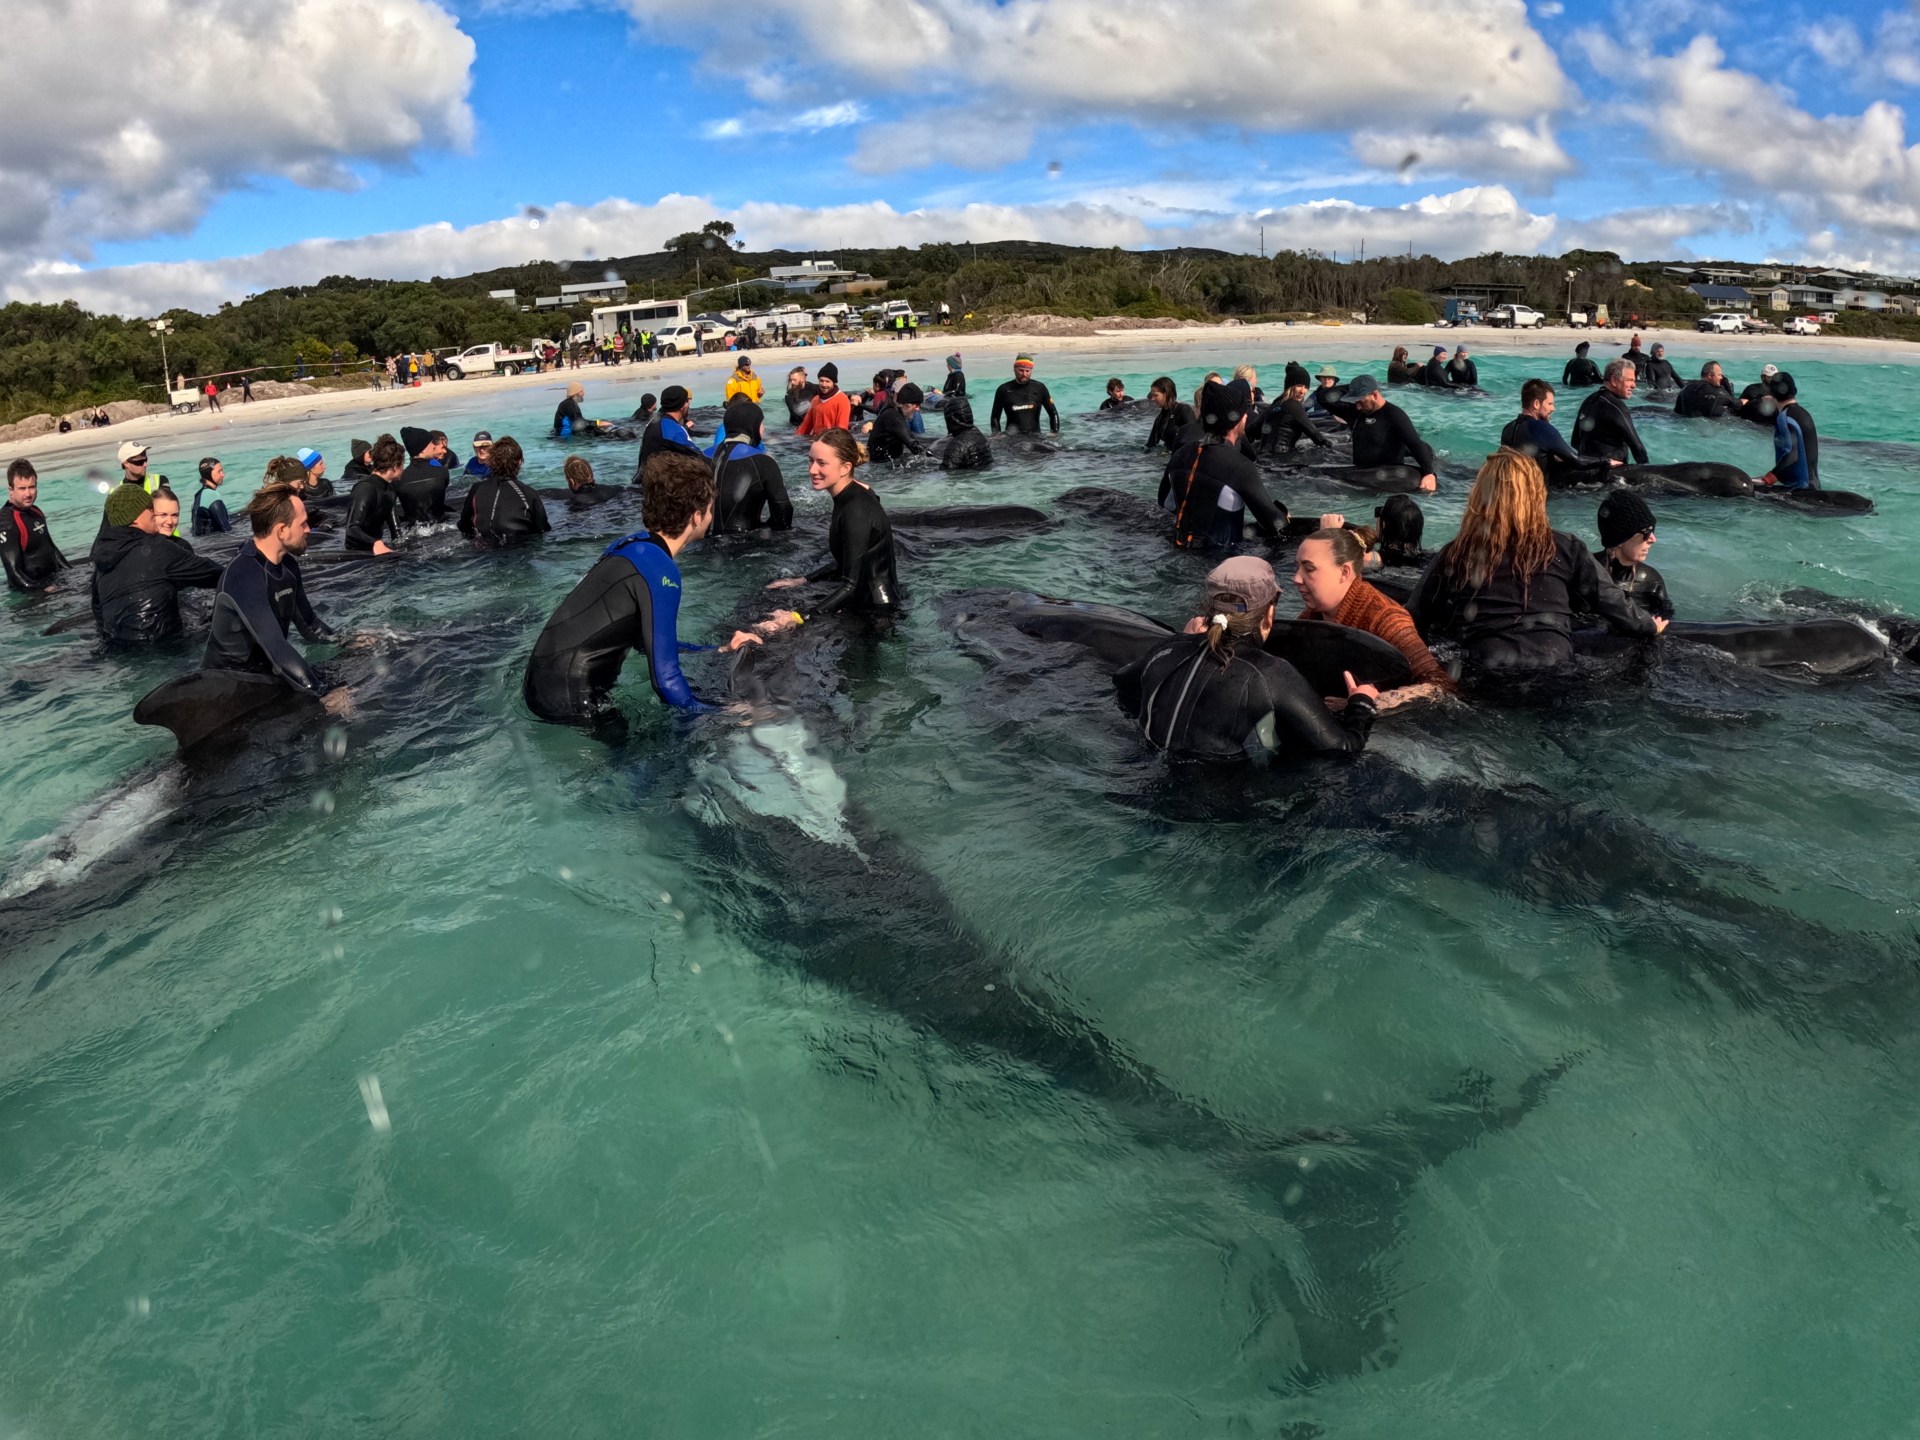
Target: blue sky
pixel 401 137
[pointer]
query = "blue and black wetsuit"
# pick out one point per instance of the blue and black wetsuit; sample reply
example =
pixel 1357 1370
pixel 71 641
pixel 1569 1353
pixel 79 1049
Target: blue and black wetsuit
pixel 629 600
pixel 210 517
pixel 255 604
pixel 1541 440
pixel 1790 470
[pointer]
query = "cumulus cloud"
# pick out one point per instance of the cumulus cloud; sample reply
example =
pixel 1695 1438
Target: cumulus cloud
pixel 1474 71
pixel 1462 222
pixel 136 117
pixel 1502 147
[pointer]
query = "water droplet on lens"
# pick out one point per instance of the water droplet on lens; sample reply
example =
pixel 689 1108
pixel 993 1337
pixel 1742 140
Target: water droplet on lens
pixel 334 746
pixel 666 898
pixel 376 1104
pixel 331 915
pixel 566 872
pixel 139 1306
pixel 989 987
pixel 694 966
pixel 323 802
pixel 1292 1197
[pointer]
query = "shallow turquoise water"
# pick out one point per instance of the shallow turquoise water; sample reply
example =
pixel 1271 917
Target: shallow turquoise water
pixel 643 1176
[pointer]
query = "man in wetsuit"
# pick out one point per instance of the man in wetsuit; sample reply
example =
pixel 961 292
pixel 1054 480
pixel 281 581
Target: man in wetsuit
pixel 1532 432
pixel 1604 428
pixel 138 573
pixel 1707 398
pixel 1659 373
pixel 629 600
pixel 1382 433
pixel 749 492
pixel 31 559
pixel 893 437
pixel 370 509
pixel 421 490
pixel 567 417
pixel 1756 404
pixel 1635 357
pixel 1210 486
pixel 1286 422
pixel 967 445
pixel 133 473
pixel 262 593
pixel 1020 400
pixel 210 516
pixel 1796 446
pixel 667 432
pixel 1462 371
pixel 1434 372
pixel 1626 535
pixel 1581 371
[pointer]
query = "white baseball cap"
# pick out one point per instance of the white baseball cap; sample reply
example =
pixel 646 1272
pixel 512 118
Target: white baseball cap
pixel 130 450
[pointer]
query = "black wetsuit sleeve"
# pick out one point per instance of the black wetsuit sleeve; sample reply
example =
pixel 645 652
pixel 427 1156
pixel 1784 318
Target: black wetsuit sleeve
pixel 247 590
pixel 537 521
pixel 1566 373
pixel 779 506
pixel 466 510
pixel 1409 437
pixel 191 571
pixel 13 558
pixel 863 539
pixel 999 408
pixel 1267 515
pixel 1046 404
pixel 1429 605
pixel 1301 720
pixel 1591 589
pixel 365 527
pixel 1653 596
pixel 1303 423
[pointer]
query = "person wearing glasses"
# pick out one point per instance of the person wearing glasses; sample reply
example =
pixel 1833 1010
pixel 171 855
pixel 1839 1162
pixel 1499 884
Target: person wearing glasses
pixel 1626 535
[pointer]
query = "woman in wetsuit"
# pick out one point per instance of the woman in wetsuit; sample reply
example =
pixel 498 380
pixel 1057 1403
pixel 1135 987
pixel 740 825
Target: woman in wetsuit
pixel 860 540
pixel 1176 417
pixel 1204 696
pixel 500 507
pixel 1509 584
pixel 1327 575
pixel 1400 370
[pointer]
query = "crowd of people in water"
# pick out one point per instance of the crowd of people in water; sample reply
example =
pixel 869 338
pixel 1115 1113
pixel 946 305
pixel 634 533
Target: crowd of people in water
pixel 1508 592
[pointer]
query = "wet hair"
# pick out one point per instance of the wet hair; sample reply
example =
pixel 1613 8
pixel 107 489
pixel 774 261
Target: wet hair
pixel 1164 386
pixel 507 458
pixel 21 470
pixel 1533 392
pixel 1400 353
pixel 1347 548
pixel 1116 383
pixel 675 489
pixel 578 472
pixel 842 443
pixel 206 466
pixel 436 437
pixel 799 370
pixel 1710 365
pixel 272 506
pixel 1239 624
pixel 386 454
pixel 1402 523
pixel 285 470
pixel 1615 369
pixel 1505 525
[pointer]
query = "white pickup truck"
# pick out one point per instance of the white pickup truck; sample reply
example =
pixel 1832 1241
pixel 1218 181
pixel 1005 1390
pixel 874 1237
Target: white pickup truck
pixel 1515 317
pixel 490 360
pixel 1724 322
pixel 1801 325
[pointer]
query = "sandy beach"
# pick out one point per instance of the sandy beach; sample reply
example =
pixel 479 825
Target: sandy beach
pixel 986 355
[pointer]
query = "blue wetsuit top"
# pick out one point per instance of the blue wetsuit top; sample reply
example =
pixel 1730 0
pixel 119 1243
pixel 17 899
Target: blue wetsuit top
pixel 209 517
pixel 1789 453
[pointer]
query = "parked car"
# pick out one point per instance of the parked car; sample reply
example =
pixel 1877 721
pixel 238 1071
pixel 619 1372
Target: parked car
pixel 1801 325
pixel 1723 322
pixel 1754 325
pixel 1515 317
pixel 678 340
pixel 489 360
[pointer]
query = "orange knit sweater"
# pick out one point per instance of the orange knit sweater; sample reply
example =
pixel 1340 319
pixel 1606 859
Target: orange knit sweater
pixel 1365 608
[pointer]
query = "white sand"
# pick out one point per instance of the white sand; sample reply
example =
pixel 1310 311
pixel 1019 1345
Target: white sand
pixel 987 356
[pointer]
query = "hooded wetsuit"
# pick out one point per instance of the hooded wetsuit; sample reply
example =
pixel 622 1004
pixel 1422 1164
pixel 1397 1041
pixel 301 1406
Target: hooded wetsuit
pixel 629 600
pixel 137 580
pixel 749 492
pixel 1515 625
pixel 1581 372
pixel 1020 403
pixel 499 509
pixel 1286 423
pixel 421 492
pixel 663 433
pixel 1210 486
pixel 1659 374
pixel 1194 707
pixel 892 438
pixel 861 542
pixel 255 605
pixel 1604 429
pixel 209 517
pixel 27 550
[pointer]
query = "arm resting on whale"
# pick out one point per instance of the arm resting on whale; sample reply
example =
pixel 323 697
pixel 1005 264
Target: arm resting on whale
pixel 1590 589
pixel 246 592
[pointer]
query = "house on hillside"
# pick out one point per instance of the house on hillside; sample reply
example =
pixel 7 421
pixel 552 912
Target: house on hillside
pixel 1724 297
pixel 1853 299
pixel 1904 304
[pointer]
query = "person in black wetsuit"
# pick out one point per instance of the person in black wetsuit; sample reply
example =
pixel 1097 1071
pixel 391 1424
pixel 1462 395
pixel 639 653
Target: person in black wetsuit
pixel 209 517
pixel 583 491
pixel 1020 401
pixel 262 594
pixel 1707 398
pixel 1626 535
pixel 1400 526
pixel 1659 373
pixel 1533 433
pixel 1581 371
pixel 568 419
pixel 421 490
pixel 1382 433
pixel 956 381
pixel 370 508
pixel 501 508
pixel 1206 696
pixel 1461 370
pixel 967 445
pixel 667 432
pixel 893 438
pixel 801 393
pixel 750 493
pixel 1285 423
pixel 860 540
pixel 356 469
pixel 629 600
pixel 1508 585
pixel 1786 396
pixel 1176 424
pixel 27 552
pixel 1117 397
pixel 1434 372
pixel 644 412
pixel 1210 486
pixel 138 573
pixel 1400 370
pixel 1635 356
pixel 1604 428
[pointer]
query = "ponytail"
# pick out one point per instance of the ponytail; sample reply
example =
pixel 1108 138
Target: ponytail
pixel 1228 623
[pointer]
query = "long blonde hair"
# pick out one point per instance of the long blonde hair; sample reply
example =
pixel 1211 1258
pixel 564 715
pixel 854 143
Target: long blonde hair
pixel 1505 524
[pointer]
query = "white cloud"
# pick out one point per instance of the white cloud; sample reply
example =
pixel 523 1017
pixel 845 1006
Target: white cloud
pixel 758 124
pixel 129 120
pixel 1501 147
pixel 1463 222
pixel 1470 70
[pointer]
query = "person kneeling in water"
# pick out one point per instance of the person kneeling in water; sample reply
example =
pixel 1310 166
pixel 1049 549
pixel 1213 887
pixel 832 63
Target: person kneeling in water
pixel 1203 697
pixel 1508 585
pixel 967 445
pixel 1626 535
pixel 629 600
pixel 500 507
pixel 1327 575
pixel 860 540
pixel 1209 485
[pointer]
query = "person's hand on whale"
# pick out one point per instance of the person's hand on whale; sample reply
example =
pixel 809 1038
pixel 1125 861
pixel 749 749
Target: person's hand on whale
pixel 778 621
pixel 785 582
pixel 740 638
pixel 1427 482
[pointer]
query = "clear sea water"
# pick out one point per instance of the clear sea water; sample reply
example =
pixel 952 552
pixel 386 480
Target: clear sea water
pixel 638 1172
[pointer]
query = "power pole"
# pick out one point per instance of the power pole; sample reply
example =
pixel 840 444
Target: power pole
pixel 1263 242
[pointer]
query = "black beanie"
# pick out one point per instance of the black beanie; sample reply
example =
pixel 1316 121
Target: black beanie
pixel 1221 407
pixel 673 397
pixel 1297 375
pixel 743 417
pixel 1582 348
pixel 415 439
pixel 1623 515
pixel 909 394
pixel 830 371
pixel 1781 386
